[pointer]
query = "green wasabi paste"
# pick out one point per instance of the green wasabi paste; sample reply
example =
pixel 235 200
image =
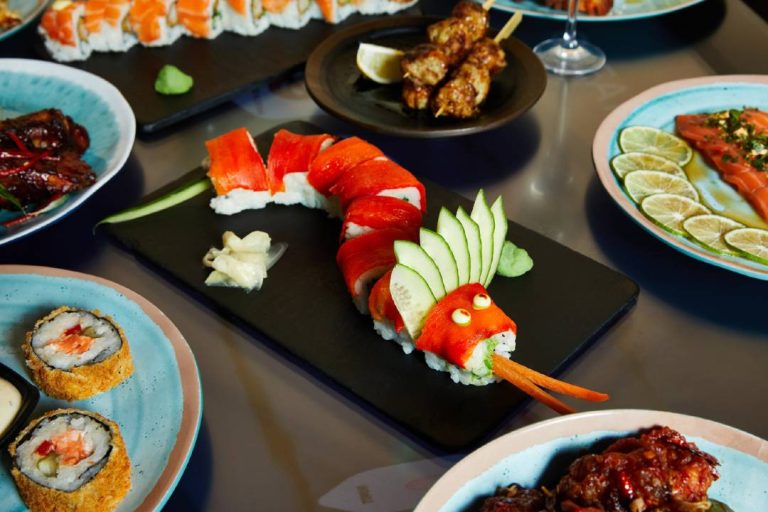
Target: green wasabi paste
pixel 172 80
pixel 514 261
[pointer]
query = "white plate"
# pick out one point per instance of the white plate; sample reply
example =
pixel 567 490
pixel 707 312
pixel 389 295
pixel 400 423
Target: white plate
pixel 658 107
pixel 622 9
pixel 30 85
pixel 522 456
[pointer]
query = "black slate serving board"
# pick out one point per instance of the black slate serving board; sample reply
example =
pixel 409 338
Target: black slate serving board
pixel 562 305
pixel 222 68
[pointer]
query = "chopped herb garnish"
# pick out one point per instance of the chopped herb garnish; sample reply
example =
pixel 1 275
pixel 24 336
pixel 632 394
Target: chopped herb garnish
pixel 728 158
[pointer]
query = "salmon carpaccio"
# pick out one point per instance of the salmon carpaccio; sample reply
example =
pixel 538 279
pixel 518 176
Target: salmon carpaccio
pixel 736 143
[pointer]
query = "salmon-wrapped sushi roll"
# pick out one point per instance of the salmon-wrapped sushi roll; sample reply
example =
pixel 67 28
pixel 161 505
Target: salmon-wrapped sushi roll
pixel 369 213
pixel 290 13
pixel 332 163
pixel 380 177
pixel 366 258
pixel 199 18
pixel 71 460
pixel 237 172
pixel 64 31
pixel 387 320
pixel 106 22
pixel 74 354
pixel 288 164
pixel 244 17
pixel 154 22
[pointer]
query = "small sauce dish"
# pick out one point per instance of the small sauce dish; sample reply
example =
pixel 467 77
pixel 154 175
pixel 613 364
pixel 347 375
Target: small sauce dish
pixel 18 399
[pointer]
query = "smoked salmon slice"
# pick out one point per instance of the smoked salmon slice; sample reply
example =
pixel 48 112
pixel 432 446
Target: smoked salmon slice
pixel 736 143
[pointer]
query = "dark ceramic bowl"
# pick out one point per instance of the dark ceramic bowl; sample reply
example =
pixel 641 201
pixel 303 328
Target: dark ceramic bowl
pixel 29 398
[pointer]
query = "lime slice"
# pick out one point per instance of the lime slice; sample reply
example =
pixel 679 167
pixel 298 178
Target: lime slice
pixel 670 210
pixel 625 163
pixel 648 139
pixel 380 63
pixel 752 242
pixel 641 184
pixel 708 230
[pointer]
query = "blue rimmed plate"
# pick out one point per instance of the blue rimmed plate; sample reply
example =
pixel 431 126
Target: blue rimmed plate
pixel 28 10
pixel 30 85
pixel 158 408
pixel 622 10
pixel 658 107
pixel 523 455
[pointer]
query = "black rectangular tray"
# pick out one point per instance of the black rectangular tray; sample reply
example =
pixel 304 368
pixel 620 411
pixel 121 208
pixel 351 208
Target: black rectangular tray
pixel 560 306
pixel 222 68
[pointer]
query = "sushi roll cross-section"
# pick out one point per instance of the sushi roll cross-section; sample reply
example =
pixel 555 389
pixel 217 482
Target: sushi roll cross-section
pixel 71 460
pixel 73 354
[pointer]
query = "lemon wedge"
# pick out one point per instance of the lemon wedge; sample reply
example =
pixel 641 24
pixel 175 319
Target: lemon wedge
pixel 380 63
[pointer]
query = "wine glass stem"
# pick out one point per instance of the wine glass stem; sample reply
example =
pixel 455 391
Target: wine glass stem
pixel 569 36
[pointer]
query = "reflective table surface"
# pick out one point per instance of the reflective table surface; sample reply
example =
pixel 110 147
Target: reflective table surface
pixel 277 437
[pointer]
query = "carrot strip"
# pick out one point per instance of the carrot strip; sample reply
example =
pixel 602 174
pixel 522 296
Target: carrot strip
pixel 525 385
pixel 548 382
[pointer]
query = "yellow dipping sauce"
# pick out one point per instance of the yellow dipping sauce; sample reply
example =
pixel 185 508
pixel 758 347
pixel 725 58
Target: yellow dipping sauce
pixel 10 403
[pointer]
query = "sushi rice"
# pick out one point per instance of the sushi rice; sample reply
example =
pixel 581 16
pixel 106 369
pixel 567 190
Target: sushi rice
pixel 478 370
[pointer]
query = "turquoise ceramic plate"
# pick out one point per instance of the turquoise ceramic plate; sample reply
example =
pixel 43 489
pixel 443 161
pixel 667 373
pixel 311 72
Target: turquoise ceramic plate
pixel 522 456
pixel 158 408
pixel 30 85
pixel 658 107
pixel 622 9
pixel 28 10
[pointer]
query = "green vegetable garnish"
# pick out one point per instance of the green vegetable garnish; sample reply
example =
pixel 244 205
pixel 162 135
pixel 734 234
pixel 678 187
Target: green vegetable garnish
pixel 6 194
pixel 172 80
pixel 514 261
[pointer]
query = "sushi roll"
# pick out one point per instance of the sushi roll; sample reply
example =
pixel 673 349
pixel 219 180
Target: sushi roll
pixel 154 22
pixel 287 165
pixel 332 163
pixel 106 22
pixel 387 321
pixel 74 354
pixel 369 213
pixel 244 17
pixel 71 460
pixel 379 177
pixel 384 6
pixel 237 172
pixel 64 31
pixel 364 259
pixel 336 11
pixel 291 13
pixel 199 18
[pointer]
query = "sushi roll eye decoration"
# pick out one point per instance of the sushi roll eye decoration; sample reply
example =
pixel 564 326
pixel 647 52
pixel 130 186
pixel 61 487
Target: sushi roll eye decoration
pixel 73 354
pixel 70 460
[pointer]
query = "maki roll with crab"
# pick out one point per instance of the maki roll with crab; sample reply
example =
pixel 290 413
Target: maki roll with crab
pixel 74 354
pixel 71 460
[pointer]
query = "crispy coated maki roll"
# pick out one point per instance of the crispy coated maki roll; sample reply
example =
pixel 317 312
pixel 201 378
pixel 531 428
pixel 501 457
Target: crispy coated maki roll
pixel 71 460
pixel 74 354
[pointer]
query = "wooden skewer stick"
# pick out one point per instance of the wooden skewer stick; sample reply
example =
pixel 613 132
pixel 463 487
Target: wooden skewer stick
pixel 488 3
pixel 509 27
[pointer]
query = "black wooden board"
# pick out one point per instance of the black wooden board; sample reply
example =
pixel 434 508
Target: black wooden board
pixel 560 306
pixel 222 68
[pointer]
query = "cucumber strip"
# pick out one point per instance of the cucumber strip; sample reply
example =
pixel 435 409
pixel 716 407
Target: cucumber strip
pixel 451 230
pixel 500 227
pixel 482 215
pixel 437 249
pixel 172 198
pixel 415 257
pixel 472 231
pixel 412 297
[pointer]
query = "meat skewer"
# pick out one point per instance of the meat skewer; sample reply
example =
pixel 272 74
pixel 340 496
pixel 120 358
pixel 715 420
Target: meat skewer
pixel 468 87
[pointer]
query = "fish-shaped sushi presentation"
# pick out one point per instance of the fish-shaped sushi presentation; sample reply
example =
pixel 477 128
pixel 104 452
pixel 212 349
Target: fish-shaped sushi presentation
pixel 425 289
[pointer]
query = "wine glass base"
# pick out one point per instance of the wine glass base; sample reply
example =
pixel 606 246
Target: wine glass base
pixel 558 58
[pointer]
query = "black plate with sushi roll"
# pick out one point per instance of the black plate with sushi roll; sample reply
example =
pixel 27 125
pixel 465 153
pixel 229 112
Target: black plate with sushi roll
pixel 27 398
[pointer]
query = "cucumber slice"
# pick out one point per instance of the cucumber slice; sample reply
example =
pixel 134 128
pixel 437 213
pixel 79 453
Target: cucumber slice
pixel 483 217
pixel 413 298
pixel 449 227
pixel 440 252
pixel 500 227
pixel 172 198
pixel 413 256
pixel 472 231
